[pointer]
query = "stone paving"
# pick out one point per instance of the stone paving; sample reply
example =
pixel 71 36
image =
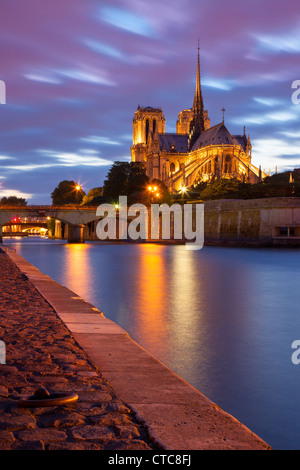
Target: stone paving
pixel 40 352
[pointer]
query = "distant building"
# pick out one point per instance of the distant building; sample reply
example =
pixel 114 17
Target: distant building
pixel 196 152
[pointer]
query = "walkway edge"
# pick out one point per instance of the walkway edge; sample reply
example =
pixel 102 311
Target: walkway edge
pixel 176 415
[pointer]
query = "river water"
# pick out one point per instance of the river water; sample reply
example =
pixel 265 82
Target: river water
pixel 224 319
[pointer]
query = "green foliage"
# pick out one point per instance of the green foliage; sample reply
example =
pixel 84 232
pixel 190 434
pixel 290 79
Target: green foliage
pixel 221 189
pixel 277 185
pixel 94 197
pixel 13 201
pixel 66 193
pixel 124 179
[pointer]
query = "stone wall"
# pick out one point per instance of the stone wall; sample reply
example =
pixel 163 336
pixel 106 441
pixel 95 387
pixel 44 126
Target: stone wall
pixel 267 222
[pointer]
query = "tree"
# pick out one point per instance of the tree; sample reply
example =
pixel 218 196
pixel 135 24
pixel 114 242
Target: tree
pixel 280 184
pixel 222 189
pixel 67 192
pixel 13 201
pixel 285 184
pixel 94 197
pixel 124 179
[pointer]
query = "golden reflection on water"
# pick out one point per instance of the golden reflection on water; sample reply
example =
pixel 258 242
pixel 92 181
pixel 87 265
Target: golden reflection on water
pixel 150 296
pixel 187 312
pixel 77 269
pixel 185 286
pixel 169 289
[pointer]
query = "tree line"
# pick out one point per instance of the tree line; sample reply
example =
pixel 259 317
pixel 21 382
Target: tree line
pixel 130 179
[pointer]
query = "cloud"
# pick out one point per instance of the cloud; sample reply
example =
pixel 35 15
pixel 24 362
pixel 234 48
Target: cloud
pixel 275 118
pixel 55 77
pixel 86 158
pixel 221 84
pixel 128 21
pixel 97 139
pixel 103 48
pixel 97 76
pixel 277 152
pixel 6 157
pixel 14 192
pixel 29 166
pixel 279 43
pixel 268 101
pixel 42 78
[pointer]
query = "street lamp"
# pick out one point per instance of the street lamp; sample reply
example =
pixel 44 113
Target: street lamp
pixel 183 191
pixel 153 190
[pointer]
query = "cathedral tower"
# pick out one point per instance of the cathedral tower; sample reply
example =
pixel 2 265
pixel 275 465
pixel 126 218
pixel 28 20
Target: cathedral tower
pixel 146 122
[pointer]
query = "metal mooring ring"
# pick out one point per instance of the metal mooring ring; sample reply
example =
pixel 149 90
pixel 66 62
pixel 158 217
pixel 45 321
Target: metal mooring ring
pixel 42 398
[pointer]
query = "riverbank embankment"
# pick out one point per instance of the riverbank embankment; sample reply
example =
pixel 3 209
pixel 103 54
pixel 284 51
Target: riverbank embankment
pixel 128 400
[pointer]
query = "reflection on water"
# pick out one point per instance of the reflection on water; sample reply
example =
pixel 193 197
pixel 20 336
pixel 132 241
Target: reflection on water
pixel 76 268
pixel 224 319
pixel 150 295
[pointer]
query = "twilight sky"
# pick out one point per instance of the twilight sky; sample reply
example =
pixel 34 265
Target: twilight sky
pixel 76 70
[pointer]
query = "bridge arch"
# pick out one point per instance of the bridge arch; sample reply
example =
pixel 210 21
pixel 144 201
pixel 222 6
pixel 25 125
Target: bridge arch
pixel 74 216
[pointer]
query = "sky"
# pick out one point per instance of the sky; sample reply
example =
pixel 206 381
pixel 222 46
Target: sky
pixel 73 73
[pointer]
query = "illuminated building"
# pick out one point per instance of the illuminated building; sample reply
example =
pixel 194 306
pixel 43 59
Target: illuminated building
pixel 196 152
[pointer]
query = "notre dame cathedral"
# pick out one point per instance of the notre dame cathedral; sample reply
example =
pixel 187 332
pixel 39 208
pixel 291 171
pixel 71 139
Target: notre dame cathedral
pixel 196 152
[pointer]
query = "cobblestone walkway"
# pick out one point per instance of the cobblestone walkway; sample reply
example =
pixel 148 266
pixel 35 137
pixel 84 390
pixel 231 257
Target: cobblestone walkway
pixel 41 352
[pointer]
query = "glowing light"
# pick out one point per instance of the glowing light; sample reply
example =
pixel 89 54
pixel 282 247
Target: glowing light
pixel 78 187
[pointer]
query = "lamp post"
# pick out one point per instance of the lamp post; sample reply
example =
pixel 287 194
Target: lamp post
pixel 153 191
pixel 183 191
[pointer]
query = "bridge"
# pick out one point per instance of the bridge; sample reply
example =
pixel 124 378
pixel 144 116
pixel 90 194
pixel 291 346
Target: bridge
pixel 23 227
pixel 75 216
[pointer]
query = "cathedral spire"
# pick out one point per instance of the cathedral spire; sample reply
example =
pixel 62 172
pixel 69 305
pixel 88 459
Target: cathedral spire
pixel 197 122
pixel 198 100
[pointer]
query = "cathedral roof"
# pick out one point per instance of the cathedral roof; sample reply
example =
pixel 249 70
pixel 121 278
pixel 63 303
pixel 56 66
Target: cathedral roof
pixel 174 142
pixel 242 140
pixel 149 108
pixel 216 135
